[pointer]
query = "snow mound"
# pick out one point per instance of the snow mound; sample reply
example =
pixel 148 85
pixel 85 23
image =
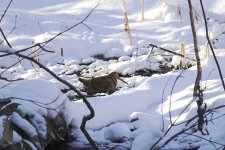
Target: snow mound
pixel 116 132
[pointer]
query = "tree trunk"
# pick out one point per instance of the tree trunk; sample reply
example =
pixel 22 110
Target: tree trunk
pixel 197 93
pixel 199 69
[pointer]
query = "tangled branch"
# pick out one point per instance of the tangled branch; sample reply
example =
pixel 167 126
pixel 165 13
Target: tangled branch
pixel 41 45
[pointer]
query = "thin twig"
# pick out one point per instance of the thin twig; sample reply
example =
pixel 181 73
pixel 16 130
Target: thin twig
pixel 5 85
pixel 162 101
pixel 171 93
pixel 204 139
pixel 35 102
pixel 85 118
pixel 188 127
pixel 111 33
pixel 210 44
pixel 10 80
pixel 172 123
pixel 178 133
pixel 6 10
pixel 3 34
pixel 57 35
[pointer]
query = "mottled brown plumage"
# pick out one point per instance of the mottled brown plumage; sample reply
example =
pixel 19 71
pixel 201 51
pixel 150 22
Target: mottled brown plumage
pixel 103 84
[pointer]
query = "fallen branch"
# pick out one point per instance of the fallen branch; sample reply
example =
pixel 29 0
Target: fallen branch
pixel 170 51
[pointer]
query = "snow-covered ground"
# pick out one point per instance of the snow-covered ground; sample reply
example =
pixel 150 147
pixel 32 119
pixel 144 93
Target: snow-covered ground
pixel 133 114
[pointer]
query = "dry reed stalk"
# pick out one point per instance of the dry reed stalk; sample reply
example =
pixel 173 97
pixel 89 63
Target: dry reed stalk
pixel 182 59
pixel 127 28
pixel 126 22
pixel 35 53
pixel 143 9
pixel 207 52
pixel 61 51
pixel 179 11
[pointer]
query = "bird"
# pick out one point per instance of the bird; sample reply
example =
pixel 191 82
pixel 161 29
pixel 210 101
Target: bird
pixel 102 84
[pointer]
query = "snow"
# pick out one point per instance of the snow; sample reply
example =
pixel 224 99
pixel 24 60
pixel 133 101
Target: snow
pixel 142 120
pixel 47 99
pixel 135 110
pixel 151 134
pixel 116 132
pixel 24 125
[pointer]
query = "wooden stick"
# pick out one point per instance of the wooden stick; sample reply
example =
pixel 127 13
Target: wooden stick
pixel 170 51
pixel 143 9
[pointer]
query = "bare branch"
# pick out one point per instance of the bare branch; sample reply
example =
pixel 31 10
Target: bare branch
pixel 87 26
pixel 209 140
pixel 5 38
pixel 162 101
pixel 10 80
pixel 211 47
pixel 5 10
pixel 40 104
pixel 1 21
pixel 18 53
pixel 51 39
pixel 85 118
pixel 175 135
pixel 172 52
pixel 171 93
pixel 67 29
pixel 5 85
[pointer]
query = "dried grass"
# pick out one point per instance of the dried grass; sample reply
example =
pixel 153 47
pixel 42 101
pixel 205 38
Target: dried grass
pixel 207 52
pixel 126 22
pixel 143 10
pixel 35 53
pixel 182 59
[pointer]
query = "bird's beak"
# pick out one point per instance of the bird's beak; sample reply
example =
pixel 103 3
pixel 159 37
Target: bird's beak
pixel 122 80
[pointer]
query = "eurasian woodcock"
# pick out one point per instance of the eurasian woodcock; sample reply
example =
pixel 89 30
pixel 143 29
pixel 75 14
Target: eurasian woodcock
pixel 103 84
